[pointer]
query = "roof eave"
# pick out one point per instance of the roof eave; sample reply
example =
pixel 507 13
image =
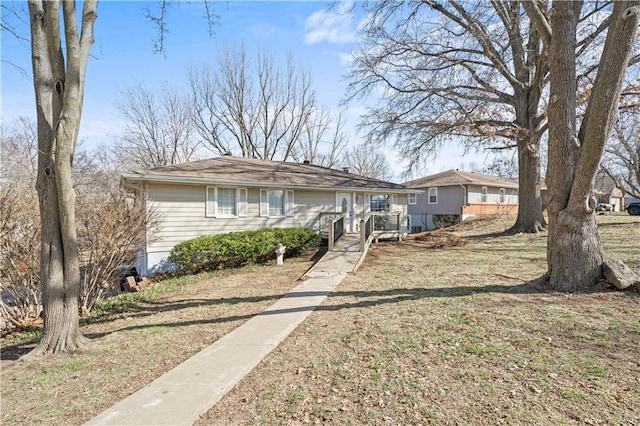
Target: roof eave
pixel 495 185
pixel 206 181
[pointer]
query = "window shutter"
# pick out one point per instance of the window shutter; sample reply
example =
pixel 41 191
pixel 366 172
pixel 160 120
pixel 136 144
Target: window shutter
pixel 264 203
pixel 394 203
pixel 289 205
pixel 211 203
pixel 242 202
pixel 367 203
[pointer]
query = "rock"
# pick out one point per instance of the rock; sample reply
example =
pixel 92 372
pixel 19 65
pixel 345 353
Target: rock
pixel 619 274
pixel 144 283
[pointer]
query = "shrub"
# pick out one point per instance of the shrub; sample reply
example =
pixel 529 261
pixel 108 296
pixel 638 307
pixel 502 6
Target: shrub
pixel 235 249
pixel 20 298
pixel 109 226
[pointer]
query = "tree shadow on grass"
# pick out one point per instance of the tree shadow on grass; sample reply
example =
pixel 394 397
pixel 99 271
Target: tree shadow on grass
pixel 500 234
pixel 147 308
pixel 366 298
pixel 372 298
pixel 18 350
pixel 614 224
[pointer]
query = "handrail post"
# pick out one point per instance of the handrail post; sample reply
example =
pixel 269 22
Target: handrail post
pixel 363 234
pixel 331 235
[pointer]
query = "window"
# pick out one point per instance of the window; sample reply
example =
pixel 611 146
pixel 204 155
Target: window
pixel 483 194
pixel 382 202
pixel 502 192
pixel 276 203
pixel 226 202
pixel 379 203
pixel 433 195
pixel 412 199
pixel 242 202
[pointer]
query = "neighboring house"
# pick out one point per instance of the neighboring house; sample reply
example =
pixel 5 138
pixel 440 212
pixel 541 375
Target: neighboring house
pixel 228 194
pixel 452 196
pixel 607 191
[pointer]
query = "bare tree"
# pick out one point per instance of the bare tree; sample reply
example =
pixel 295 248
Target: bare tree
pixel 622 154
pixel 473 72
pixel 254 108
pixel 574 249
pixel 323 140
pixel 159 128
pixel 59 77
pixel 367 160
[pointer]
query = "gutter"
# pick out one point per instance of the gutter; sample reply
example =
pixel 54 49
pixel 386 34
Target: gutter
pixel 127 185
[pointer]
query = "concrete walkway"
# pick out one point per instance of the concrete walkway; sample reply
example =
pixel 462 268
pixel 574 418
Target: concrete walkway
pixel 181 395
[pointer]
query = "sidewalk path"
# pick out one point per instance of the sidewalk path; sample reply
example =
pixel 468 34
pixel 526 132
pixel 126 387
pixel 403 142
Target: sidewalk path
pixel 181 395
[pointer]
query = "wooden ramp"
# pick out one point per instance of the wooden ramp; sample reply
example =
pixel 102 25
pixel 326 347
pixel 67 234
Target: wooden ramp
pixel 348 242
pixel 346 257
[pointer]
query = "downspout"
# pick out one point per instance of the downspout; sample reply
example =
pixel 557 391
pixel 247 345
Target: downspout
pixel 142 192
pixel 464 201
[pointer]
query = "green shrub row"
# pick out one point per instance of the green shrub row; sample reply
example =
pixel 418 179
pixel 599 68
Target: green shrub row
pixel 235 249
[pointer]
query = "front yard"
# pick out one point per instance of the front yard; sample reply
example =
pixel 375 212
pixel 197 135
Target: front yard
pixel 460 334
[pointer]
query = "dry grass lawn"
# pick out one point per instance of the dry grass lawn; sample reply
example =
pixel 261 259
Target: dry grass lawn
pixel 450 328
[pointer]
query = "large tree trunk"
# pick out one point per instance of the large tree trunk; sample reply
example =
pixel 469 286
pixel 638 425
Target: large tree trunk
pixel 574 250
pixel 530 218
pixel 59 90
pixel 530 70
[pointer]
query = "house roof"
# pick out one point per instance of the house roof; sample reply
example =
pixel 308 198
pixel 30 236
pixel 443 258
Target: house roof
pixel 456 177
pixel 606 185
pixel 229 170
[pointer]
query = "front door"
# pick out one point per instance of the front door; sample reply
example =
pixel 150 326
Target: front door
pixel 344 204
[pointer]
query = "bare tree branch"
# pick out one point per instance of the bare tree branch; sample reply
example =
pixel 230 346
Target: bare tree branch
pixel 159 128
pixel 256 108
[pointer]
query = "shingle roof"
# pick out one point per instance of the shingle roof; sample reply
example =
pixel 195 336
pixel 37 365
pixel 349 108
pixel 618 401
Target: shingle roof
pixel 456 177
pixel 604 184
pixel 253 172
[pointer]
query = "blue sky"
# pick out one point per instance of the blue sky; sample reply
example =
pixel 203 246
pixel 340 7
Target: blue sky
pixel 318 38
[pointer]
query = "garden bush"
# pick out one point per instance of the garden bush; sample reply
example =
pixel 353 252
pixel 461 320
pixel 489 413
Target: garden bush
pixel 235 249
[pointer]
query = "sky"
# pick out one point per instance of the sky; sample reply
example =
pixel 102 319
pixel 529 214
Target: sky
pixel 317 37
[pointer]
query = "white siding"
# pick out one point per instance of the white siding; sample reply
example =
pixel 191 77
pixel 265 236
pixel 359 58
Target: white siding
pixel 180 216
pixel 493 195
